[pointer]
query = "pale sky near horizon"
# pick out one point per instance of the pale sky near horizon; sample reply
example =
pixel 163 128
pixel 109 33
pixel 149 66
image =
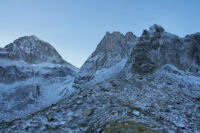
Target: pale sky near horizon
pixel 75 27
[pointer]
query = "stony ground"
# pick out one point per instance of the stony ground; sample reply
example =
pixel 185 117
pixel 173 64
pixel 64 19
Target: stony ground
pixel 166 101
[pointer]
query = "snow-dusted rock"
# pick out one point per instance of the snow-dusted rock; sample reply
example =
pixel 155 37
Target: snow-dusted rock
pixel 31 50
pixel 136 113
pixel 179 124
pixel 108 59
pixel 32 76
pixel 157 48
pixel 87 112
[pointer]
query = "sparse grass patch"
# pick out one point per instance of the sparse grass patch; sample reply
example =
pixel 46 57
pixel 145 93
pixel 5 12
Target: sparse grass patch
pixel 128 127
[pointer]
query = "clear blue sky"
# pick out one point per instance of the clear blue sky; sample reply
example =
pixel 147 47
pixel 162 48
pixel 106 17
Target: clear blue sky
pixel 75 27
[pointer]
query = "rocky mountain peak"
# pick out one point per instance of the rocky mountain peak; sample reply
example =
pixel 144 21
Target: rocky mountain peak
pixel 143 55
pixel 157 48
pixel 32 50
pixel 111 41
pixel 114 41
pixel 26 38
pixel 156 28
pixel 129 36
pixel 111 53
pixel 195 37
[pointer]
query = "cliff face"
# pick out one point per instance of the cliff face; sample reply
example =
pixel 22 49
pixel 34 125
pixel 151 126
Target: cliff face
pixel 156 48
pixel 117 55
pixel 108 59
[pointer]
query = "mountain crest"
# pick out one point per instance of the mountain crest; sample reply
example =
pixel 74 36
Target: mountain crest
pixel 32 50
pixel 156 28
pixel 111 53
pixel 117 54
pixel 31 37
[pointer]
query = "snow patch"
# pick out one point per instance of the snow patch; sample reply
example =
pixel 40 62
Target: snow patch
pixel 106 73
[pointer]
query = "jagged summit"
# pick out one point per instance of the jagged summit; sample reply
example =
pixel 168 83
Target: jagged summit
pixel 110 41
pixel 117 54
pixel 115 40
pixel 156 28
pixel 157 48
pixel 112 52
pixel 31 37
pixel 31 50
pixel 129 36
pixel 154 31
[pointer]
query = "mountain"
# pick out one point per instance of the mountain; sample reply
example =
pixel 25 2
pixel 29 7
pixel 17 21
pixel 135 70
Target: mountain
pixel 108 59
pixel 32 76
pixel 31 50
pixel 129 84
pixel 118 54
pixel 157 48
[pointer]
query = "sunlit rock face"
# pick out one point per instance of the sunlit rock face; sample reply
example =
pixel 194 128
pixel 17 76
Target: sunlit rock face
pixel 108 59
